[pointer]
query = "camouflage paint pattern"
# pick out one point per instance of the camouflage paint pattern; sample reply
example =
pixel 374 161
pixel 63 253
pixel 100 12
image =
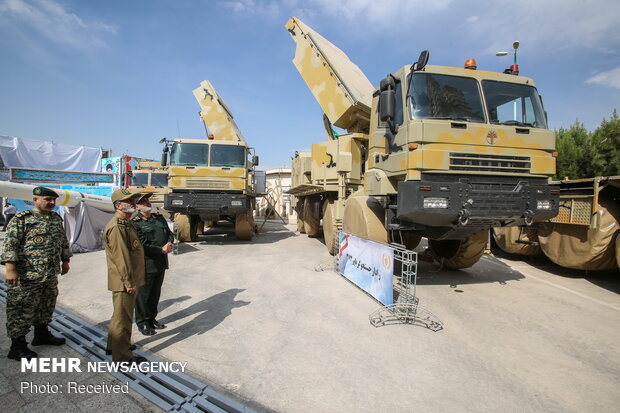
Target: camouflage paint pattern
pixel 215 114
pixel 424 145
pixel 37 244
pixel 339 86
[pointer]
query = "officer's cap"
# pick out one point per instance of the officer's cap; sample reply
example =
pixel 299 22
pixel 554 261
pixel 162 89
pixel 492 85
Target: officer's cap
pixel 123 195
pixel 43 191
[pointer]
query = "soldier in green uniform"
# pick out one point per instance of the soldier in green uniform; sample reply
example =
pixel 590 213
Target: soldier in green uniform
pixel 156 238
pixel 125 259
pixel 35 252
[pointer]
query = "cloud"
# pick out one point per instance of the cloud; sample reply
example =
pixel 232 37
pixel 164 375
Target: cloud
pixel 610 78
pixel 548 26
pixel 52 20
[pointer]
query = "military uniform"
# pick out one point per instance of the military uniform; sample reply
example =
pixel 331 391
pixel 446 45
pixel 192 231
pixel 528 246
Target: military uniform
pixel 37 244
pixel 125 259
pixel 154 234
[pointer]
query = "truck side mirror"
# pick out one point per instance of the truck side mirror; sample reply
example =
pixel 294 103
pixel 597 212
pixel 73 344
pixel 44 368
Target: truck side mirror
pixel 386 105
pixel 255 160
pixel 164 157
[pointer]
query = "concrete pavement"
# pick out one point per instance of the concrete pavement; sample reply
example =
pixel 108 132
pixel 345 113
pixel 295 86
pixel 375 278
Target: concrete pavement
pixel 257 319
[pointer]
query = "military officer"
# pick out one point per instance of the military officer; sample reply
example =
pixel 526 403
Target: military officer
pixel 156 238
pixel 125 259
pixel 35 251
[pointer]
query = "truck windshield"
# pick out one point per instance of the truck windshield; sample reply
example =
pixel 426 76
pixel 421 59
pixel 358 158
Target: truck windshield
pixel 196 154
pixel 513 104
pixel 433 96
pixel 228 155
pixel 139 178
pixel 159 179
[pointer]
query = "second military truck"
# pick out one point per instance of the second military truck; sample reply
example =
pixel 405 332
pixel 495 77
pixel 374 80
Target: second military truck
pixel 438 152
pixel 211 179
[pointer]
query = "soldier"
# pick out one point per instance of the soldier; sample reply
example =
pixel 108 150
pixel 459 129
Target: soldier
pixel 156 238
pixel 34 247
pixel 125 258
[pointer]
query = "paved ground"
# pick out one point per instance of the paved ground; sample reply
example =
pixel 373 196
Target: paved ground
pixel 257 319
pixel 28 392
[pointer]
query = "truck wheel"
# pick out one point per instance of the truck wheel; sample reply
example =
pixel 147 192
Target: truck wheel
pixel 409 240
pixel 330 229
pixel 299 208
pixel 364 217
pixel 582 248
pixel 244 226
pixel 312 223
pixel 506 238
pixel 457 254
pixel 186 227
pixel 618 250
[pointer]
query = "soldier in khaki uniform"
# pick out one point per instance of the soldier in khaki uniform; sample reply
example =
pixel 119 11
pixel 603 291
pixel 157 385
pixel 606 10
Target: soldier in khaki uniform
pixel 34 247
pixel 125 258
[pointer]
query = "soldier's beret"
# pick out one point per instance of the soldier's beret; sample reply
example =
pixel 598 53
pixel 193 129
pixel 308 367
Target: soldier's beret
pixel 43 191
pixel 123 195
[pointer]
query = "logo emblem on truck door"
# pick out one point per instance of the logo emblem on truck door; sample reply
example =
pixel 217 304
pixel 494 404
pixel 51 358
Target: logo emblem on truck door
pixel 492 137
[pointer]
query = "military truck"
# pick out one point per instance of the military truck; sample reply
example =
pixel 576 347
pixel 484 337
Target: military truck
pixel 438 152
pixel 584 234
pixel 211 179
pixel 150 177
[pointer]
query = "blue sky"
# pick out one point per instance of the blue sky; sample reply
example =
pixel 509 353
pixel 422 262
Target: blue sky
pixel 119 74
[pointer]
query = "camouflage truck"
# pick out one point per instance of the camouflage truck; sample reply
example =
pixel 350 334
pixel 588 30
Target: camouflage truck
pixel 211 179
pixel 150 177
pixel 584 234
pixel 438 152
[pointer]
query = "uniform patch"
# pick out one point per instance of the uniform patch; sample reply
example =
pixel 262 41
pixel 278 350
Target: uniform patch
pixel 135 243
pixel 38 239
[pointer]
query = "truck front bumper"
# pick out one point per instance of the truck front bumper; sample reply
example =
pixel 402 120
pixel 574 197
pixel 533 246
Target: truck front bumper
pixel 209 206
pixel 450 209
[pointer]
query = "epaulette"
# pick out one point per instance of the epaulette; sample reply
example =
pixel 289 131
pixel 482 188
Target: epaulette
pixel 136 218
pixel 122 221
pixel 23 214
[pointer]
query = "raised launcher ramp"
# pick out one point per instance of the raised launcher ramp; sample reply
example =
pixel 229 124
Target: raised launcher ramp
pixel 339 86
pixel 215 114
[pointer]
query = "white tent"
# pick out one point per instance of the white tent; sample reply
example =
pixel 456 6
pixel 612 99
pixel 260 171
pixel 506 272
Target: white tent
pixel 26 153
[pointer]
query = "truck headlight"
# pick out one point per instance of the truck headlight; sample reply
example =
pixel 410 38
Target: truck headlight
pixel 544 204
pixel 177 202
pixel 435 202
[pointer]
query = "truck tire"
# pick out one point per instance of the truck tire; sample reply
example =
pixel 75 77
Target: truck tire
pixel 581 248
pixel 506 238
pixel 330 229
pixel 364 217
pixel 186 227
pixel 299 208
pixel 618 250
pixel 457 254
pixel 244 226
pixel 312 219
pixel 406 238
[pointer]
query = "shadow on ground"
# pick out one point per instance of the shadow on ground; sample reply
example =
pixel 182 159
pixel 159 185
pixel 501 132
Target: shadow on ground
pixel 608 279
pixel 207 314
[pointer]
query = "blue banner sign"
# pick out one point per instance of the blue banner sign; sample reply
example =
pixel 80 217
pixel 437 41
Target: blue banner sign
pixel 369 265
pixel 35 175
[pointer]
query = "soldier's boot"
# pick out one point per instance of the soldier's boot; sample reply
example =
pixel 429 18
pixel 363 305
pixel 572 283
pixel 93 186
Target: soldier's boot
pixel 19 349
pixel 43 336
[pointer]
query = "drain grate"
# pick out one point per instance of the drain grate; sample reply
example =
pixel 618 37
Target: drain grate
pixel 176 392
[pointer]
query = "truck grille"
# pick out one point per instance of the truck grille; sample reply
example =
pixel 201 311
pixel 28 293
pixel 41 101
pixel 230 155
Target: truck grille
pixel 478 162
pixel 207 184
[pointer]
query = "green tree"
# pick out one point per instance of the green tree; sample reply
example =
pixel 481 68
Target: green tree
pixel 606 140
pixel 571 145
